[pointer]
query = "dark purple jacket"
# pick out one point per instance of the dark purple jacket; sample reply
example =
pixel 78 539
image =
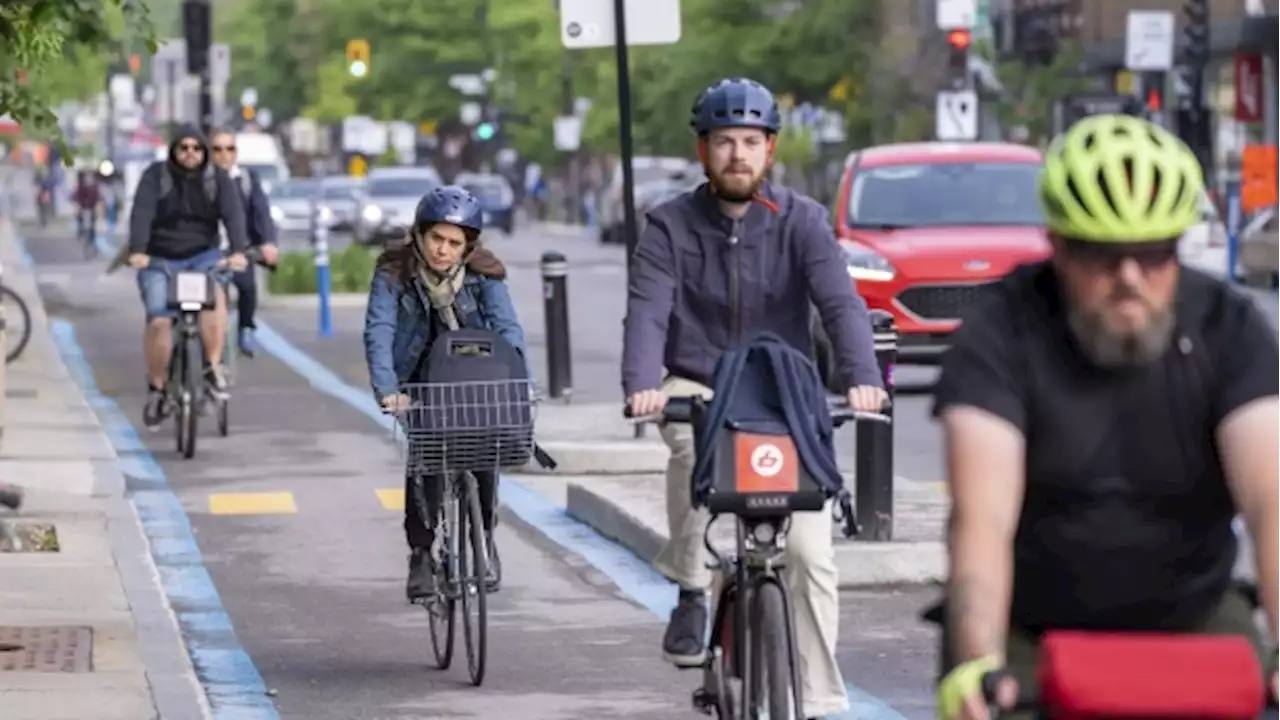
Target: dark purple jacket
pixel 691 262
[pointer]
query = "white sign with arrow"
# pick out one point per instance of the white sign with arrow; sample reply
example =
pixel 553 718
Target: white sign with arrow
pixel 957 115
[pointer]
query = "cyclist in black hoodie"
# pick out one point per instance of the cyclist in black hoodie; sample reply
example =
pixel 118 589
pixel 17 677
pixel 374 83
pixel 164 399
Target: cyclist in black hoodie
pixel 173 228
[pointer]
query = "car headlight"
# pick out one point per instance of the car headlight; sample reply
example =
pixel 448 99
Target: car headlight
pixel 863 263
pixel 325 213
pixel 277 214
pixel 372 214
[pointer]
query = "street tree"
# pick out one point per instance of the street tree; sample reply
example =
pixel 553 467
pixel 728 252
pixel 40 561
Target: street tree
pixel 42 40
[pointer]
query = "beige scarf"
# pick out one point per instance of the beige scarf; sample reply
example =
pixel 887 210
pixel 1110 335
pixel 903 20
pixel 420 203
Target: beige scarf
pixel 442 288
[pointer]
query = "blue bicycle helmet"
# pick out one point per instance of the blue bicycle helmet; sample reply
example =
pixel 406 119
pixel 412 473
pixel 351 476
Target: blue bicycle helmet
pixel 449 204
pixel 735 102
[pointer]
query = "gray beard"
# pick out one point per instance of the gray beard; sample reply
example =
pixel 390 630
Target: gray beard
pixel 1111 351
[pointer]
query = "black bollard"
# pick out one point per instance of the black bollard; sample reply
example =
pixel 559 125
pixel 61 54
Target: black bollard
pixel 873 494
pixel 555 298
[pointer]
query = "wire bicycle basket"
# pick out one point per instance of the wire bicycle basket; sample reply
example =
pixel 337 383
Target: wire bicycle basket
pixel 475 426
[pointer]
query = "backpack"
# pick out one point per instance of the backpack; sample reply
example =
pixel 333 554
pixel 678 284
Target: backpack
pixel 765 443
pixel 210 178
pixel 476 412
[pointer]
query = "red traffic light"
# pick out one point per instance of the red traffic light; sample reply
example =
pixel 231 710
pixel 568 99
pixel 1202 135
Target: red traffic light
pixel 959 39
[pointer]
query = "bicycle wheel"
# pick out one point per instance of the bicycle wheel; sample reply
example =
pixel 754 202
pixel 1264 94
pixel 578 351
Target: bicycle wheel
pixel 770 655
pixel 224 417
pixel 442 607
pixel 472 567
pixel 192 390
pixel 179 406
pixel 17 317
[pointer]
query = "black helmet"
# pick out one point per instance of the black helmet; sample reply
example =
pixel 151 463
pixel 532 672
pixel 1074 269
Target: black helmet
pixel 449 204
pixel 736 102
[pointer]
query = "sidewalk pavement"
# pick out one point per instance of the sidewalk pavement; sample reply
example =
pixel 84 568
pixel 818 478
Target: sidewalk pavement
pixel 98 640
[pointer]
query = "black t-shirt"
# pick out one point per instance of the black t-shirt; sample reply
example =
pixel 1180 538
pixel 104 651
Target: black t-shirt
pixel 1126 522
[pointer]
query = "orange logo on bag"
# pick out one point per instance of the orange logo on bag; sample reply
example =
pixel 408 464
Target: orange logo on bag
pixel 765 463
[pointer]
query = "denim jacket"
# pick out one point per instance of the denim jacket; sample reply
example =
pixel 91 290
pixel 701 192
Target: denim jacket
pixel 398 328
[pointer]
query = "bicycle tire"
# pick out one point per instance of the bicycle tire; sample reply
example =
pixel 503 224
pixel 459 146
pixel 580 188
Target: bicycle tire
pixel 771 654
pixel 178 371
pixel 442 609
pixel 193 389
pixel 23 330
pixel 473 569
pixel 224 417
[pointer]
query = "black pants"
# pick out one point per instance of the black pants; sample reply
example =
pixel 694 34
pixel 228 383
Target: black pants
pixel 247 288
pixel 419 531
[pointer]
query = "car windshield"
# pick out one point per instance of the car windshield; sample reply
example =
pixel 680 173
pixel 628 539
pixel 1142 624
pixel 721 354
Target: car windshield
pixel 402 186
pixel 265 173
pixel 959 193
pixel 343 191
pixel 491 190
pixel 295 189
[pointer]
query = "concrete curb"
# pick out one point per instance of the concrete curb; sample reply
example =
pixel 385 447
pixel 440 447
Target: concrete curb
pixel 860 564
pixel 620 457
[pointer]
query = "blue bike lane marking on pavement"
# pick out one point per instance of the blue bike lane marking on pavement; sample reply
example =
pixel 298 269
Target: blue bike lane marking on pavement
pixel 231 682
pixel 632 575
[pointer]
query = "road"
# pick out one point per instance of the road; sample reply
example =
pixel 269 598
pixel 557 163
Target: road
pixel 296 521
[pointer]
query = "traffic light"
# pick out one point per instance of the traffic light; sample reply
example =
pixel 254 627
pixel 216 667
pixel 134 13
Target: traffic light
pixel 1196 32
pixel 485 131
pixel 198 34
pixel 958 58
pixel 358 57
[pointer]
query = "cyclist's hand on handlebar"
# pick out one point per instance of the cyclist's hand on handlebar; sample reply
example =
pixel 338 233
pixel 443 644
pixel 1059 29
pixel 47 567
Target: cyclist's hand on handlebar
pixel 960 691
pixel 395 403
pixel 237 261
pixel 647 402
pixel 867 398
pixel 138 261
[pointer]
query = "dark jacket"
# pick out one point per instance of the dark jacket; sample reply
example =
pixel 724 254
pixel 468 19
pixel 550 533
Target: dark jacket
pixel 768 380
pixel 185 222
pixel 259 225
pixel 779 260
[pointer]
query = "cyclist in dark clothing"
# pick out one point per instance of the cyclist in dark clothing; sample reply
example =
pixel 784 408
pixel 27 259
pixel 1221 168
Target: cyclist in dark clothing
pixel 87 197
pixel 176 210
pixel 260 227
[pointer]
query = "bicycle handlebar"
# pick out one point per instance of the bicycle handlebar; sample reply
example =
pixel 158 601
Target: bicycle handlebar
pixel 680 410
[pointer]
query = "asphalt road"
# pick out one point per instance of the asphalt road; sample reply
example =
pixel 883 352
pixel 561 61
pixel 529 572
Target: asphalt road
pixel 309 564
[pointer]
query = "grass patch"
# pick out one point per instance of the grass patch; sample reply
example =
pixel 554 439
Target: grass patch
pixel 351 270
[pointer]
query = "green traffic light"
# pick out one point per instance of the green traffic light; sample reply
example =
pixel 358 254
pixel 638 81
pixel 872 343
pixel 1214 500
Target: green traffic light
pixel 485 131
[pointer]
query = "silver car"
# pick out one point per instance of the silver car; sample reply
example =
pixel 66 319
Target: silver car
pixel 390 196
pixel 291 204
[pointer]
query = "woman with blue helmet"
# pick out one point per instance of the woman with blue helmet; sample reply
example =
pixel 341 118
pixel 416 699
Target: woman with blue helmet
pixel 441 261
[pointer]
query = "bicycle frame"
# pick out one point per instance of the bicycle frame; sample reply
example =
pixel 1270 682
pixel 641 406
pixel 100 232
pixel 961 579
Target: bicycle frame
pixel 758 561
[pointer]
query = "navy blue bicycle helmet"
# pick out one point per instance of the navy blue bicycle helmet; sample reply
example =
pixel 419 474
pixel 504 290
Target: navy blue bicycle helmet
pixel 449 204
pixel 735 102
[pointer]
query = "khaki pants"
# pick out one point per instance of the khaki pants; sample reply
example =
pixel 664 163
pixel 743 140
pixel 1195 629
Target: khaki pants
pixel 810 572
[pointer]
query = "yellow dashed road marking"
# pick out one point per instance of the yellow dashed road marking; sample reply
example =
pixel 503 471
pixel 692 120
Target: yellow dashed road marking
pixel 254 503
pixel 391 498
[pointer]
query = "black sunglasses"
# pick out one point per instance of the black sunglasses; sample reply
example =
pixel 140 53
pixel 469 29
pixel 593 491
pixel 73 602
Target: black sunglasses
pixel 1106 256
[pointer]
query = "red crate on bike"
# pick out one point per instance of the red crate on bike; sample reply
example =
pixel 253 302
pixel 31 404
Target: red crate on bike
pixel 1096 676
pixel 758 472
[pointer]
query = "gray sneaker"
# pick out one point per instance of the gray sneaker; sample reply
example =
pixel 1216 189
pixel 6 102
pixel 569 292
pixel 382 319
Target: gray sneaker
pixel 684 643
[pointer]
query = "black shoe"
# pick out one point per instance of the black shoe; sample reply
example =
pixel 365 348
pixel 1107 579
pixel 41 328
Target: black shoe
pixel 153 413
pixel 684 645
pixel 422 575
pixel 493 568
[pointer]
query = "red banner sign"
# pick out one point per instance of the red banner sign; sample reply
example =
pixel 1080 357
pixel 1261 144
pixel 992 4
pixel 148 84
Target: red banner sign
pixel 1249 89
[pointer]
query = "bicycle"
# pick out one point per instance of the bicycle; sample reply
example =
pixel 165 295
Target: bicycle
pixel 751 666
pixel 86 228
pixel 231 346
pixel 452 431
pixel 15 324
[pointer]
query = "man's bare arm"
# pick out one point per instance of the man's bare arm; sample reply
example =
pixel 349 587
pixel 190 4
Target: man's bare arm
pixel 986 457
pixel 1247 443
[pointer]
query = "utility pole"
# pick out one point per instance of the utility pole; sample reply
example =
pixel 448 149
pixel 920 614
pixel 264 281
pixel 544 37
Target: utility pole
pixel 198 31
pixel 1194 123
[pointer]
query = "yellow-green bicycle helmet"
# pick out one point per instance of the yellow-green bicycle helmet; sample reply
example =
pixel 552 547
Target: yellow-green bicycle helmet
pixel 1120 179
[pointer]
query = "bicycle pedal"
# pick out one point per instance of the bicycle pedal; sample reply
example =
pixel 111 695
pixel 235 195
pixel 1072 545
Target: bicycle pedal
pixel 705 702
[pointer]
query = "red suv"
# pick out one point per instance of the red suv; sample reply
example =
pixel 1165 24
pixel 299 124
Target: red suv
pixel 927 227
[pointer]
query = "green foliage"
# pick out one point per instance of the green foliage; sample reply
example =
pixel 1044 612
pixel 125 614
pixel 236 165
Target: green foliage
pixel 63 48
pixel 351 271
pixel 1031 90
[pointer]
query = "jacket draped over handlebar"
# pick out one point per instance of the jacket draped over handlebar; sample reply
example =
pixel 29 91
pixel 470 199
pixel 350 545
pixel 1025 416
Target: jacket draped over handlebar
pixel 399 329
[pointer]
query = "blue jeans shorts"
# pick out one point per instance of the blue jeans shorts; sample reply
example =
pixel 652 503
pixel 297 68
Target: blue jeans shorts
pixel 153 281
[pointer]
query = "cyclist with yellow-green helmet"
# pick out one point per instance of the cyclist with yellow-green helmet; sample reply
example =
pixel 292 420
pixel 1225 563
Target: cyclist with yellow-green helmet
pixel 1106 414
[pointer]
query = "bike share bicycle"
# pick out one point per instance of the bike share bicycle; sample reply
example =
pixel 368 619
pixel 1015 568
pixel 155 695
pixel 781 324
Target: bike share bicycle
pixel 15 320
pixel 190 294
pixel 453 430
pixel 751 669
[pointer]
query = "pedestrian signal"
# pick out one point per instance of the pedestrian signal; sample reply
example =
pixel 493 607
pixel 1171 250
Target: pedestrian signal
pixel 358 57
